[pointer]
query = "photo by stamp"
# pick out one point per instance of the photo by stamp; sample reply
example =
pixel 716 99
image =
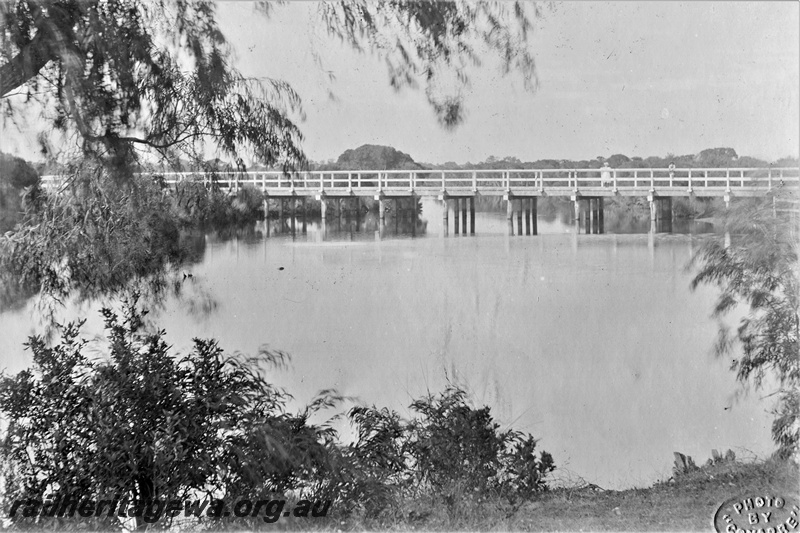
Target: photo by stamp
pixel 767 513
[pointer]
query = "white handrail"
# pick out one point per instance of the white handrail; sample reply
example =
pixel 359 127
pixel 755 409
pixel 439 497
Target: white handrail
pixel 475 180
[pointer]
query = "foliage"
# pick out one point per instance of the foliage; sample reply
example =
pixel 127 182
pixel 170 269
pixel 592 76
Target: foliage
pixel 457 448
pixel 759 269
pixel 94 238
pixel 137 421
pixel 144 423
pixel 17 179
pixel 374 157
pixel 157 75
pixel 124 74
pixel 16 172
pixel 435 43
pixel 451 453
pixel 196 204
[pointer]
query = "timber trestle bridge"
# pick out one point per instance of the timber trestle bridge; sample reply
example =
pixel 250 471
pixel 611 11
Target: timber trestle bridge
pixel 520 188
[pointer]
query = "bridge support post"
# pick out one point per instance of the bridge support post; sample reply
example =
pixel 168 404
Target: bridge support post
pixel 600 216
pixel 472 216
pixel 510 214
pixel 456 208
pixel 305 214
pixel 292 206
pixel 382 210
pixel 358 213
pixel 446 216
pixel 576 205
pixel 527 216
pixel 323 208
pixel 592 226
pixel 534 221
pixel 280 210
pixel 519 217
pixel 464 215
pixel 265 207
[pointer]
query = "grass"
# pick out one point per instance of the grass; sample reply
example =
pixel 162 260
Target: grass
pixel 685 502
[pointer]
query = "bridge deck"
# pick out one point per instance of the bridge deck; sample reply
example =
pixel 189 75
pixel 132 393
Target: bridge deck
pixel 661 182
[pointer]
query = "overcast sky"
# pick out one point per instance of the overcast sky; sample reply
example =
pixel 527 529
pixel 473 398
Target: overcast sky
pixel 639 78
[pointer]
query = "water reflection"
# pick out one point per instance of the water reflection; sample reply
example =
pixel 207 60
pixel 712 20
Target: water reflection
pixel 593 343
pixel 350 219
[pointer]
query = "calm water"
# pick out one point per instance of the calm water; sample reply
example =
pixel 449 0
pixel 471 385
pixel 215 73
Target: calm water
pixel 592 343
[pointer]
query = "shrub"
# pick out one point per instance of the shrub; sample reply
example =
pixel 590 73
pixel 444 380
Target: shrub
pixel 452 454
pixel 145 423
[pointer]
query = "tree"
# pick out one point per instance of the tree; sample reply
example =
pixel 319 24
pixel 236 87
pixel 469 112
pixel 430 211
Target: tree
pixel 373 157
pixel 759 269
pixel 717 157
pixel 129 74
pixel 144 423
pixel 17 178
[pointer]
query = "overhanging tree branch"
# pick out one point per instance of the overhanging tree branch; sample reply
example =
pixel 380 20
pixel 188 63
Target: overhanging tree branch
pixel 26 64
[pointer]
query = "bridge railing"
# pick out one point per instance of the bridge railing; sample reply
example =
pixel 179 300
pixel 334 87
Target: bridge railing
pixel 688 179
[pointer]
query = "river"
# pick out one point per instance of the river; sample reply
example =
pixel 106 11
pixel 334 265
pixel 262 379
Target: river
pixel 592 343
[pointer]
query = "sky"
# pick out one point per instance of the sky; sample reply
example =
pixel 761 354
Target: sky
pixel 638 78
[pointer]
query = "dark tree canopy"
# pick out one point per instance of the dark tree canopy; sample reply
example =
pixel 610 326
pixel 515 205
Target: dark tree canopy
pixel 123 75
pixel 155 74
pixel 374 157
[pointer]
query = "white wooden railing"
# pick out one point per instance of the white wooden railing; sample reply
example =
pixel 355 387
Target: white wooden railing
pixel 554 181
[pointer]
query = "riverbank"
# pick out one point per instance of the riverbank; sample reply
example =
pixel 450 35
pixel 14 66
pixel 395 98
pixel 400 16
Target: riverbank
pixel 685 502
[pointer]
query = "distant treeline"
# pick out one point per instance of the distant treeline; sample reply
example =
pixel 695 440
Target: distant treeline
pixel 711 158
pixel 374 157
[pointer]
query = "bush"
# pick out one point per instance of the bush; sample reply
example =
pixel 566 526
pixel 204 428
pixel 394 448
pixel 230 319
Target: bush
pixel 451 454
pixel 145 423
pixel 142 422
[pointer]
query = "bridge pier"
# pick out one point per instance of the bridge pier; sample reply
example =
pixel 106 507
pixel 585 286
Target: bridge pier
pixel 600 215
pixel 305 214
pixel 510 215
pixel 445 216
pixel 660 213
pixel 382 209
pixel 527 216
pixel 525 210
pixel 462 224
pixel 592 218
pixel 456 219
pixel 576 204
pixel 472 216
